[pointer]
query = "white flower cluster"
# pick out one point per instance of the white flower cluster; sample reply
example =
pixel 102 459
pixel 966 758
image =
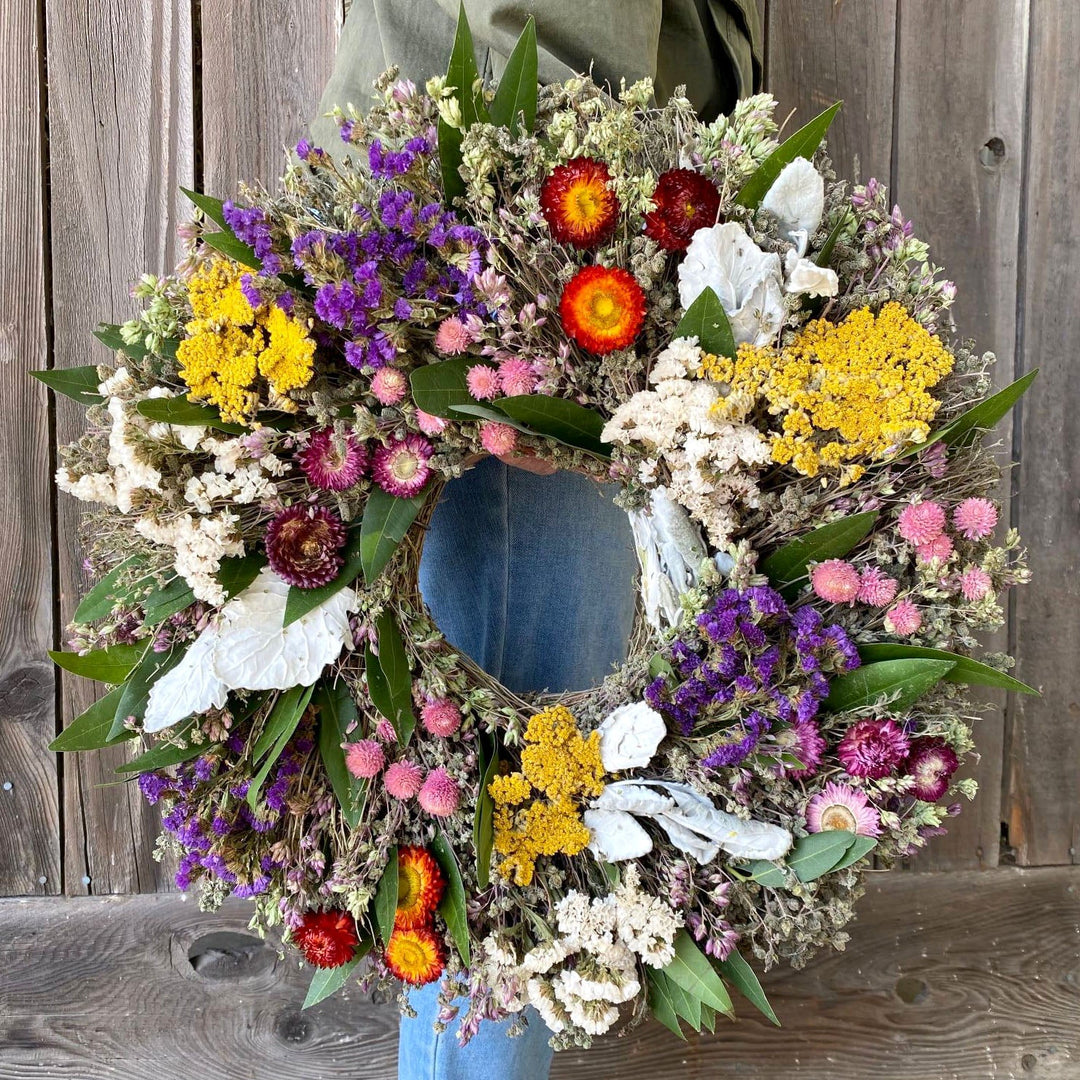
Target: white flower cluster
pixel 711 460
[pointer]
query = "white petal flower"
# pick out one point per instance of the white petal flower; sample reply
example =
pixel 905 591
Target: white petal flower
pixel 616 835
pixel 805 276
pixel 797 198
pixel 629 736
pixel 249 649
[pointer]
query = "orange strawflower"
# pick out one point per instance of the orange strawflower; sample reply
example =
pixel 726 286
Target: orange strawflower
pixel 420 888
pixel 602 308
pixel 577 203
pixel 415 956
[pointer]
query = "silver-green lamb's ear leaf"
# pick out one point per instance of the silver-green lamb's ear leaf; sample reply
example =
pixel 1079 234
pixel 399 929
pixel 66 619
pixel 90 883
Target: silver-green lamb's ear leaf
pixel 386 897
pixel 560 419
pixel 802 144
pixel 328 981
pixel 787 565
pixel 517 91
pixel 740 974
pixel 901 681
pixel 387 518
pixel 437 388
pixel 452 905
pixel 78 383
pixel 966 670
pixel 706 320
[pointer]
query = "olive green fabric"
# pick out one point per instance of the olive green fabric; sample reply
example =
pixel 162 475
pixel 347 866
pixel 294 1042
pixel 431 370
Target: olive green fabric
pixel 713 47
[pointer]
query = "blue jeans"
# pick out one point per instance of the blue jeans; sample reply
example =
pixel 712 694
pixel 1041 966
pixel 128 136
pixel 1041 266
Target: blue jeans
pixel 533 577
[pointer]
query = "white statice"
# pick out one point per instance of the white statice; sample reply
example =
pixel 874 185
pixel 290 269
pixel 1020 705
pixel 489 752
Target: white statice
pixel 643 922
pixel 131 472
pixel 200 543
pixel 629 736
pixel 90 487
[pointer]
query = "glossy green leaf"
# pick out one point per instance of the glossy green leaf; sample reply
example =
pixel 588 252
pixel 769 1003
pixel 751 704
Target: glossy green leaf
pixel 139 683
pixel 825 254
pixel 211 207
pixel 810 857
pixel 165 754
pixel 337 710
pixel 788 564
pixel 78 383
pixel 285 718
pixel 474 410
pixel 438 387
pixel 103 597
pixel 692 970
pixel 660 665
pixel 463 76
pixel 110 336
pixel 660 1001
pixel 560 419
pixel 237 572
pixel 965 669
pixel 802 144
pixel 328 981
pixel 866 685
pixel 111 665
pixel 386 520
pixel 300 601
pixel 860 848
pixel 708 1019
pixel 167 600
pixel 390 678
pixel 737 971
pixel 234 249
pixel 90 730
pixel 706 320
pixel 516 93
pixel 483 824
pixel 185 413
pixel 452 905
pixel 386 897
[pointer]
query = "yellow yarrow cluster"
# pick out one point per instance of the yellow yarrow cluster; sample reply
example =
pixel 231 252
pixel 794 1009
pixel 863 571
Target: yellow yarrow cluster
pixel 558 767
pixel 844 392
pixel 229 344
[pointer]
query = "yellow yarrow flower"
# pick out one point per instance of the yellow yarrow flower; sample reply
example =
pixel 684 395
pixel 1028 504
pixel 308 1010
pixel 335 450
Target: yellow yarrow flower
pixel 214 292
pixel 286 361
pixel 219 364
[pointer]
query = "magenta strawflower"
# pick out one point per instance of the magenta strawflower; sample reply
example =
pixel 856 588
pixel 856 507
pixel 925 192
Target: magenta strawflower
pixel 428 424
pixel 975 583
pixel 931 762
pixel 804 741
pixel 903 619
pixel 452 337
pixel 517 377
pixel 441 717
pixel 402 468
pixel 940 548
pixel 921 522
pixel 403 780
pixel 483 382
pixel 498 438
pixel 303 545
pixel 440 795
pixel 838 806
pixel 389 385
pixel 364 758
pixel 333 462
pixel 975 519
pixel 876 588
pixel 836 581
pixel 872 748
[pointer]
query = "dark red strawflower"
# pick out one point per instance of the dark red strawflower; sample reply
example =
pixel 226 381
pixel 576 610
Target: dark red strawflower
pixel 333 462
pixel 685 202
pixel 931 762
pixel 578 203
pixel 872 748
pixel 303 545
pixel 327 939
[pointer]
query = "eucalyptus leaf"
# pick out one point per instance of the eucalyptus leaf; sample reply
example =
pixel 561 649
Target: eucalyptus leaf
pixel 660 1001
pixel 184 413
pixel 386 897
pixel 452 905
pixel 387 518
pixel 866 685
pixel 788 564
pixel 692 970
pixel 687 1006
pixel 737 971
pixel 436 388
pixel 328 981
pixel 706 320
pixel 78 383
pixel 90 729
pixel 337 711
pixel 103 597
pixel 965 669
pixel 111 665
pixel 516 93
pixel 560 419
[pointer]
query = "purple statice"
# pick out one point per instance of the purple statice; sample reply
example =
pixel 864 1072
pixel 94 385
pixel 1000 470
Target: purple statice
pixel 752 668
pixel 153 786
pixel 251 225
pixel 251 292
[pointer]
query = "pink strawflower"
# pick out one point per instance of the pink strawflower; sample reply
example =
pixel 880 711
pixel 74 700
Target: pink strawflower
pixel 364 758
pixel 441 717
pixel 440 794
pixel 333 462
pixel 402 468
pixel 836 581
pixel 921 522
pixel 876 588
pixel 903 619
pixel 389 385
pixel 803 741
pixel 975 583
pixel 931 762
pixel 452 337
pixel 428 424
pixel 517 377
pixel 403 780
pixel 385 730
pixel 975 518
pixel 498 438
pixel 872 748
pixel 838 806
pixel 483 382
pixel 941 547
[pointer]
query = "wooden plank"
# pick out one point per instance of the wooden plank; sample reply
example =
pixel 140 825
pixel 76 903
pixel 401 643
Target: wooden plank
pixel 29 800
pixel 960 91
pixel 264 66
pixel 821 51
pixel 961 975
pixel 120 112
pixel 1043 793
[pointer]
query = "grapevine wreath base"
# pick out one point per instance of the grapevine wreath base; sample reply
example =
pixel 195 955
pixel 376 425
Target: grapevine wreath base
pixel 758 354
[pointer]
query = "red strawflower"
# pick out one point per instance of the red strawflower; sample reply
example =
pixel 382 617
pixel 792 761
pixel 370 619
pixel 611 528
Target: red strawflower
pixel 685 202
pixel 872 748
pixel 327 938
pixel 602 308
pixel 303 544
pixel 577 203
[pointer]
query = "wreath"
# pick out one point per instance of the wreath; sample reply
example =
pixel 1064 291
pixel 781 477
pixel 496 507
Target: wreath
pixel 759 355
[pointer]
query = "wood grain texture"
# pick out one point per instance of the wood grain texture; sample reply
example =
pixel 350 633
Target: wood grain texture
pixel 822 51
pixel 1043 748
pixel 29 800
pixel 964 975
pixel 264 66
pixel 960 91
pixel 120 114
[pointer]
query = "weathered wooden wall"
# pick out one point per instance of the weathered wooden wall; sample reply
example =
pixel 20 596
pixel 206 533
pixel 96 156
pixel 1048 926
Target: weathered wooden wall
pixel 966 108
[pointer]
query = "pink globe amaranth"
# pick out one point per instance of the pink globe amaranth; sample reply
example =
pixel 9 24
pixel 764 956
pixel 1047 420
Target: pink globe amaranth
pixel 872 748
pixel 921 522
pixel 517 377
pixel 303 545
pixel 452 337
pixel 498 439
pixel 975 519
pixel 333 462
pixel 403 780
pixel 364 758
pixel 440 795
pixel 483 382
pixel 876 588
pixel 975 583
pixel 903 619
pixel 931 763
pixel 836 581
pixel 402 468
pixel 428 424
pixel 941 547
pixel 389 385
pixel 440 716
